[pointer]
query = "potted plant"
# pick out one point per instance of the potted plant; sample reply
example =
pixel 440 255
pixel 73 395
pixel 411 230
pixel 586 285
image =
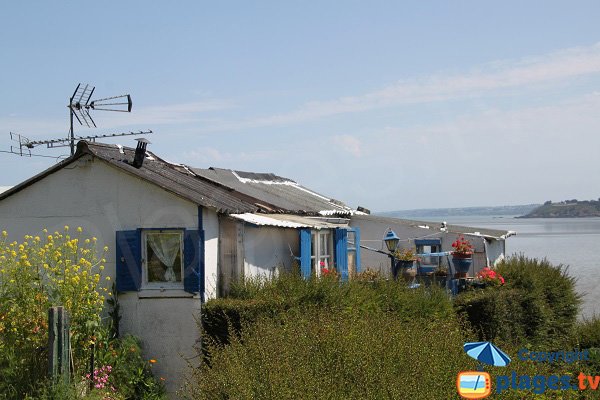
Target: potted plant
pixel 404 260
pixel 462 256
pixel 488 277
pixel 440 276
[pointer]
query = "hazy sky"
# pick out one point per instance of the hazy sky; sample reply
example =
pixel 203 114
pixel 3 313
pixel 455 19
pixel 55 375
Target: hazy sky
pixel 387 105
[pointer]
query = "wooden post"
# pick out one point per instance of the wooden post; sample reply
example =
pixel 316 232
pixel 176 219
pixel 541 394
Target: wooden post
pixel 59 344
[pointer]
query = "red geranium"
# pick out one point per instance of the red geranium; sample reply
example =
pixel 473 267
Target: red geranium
pixel 490 276
pixel 462 246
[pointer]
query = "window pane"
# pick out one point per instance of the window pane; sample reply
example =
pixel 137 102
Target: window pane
pixel 351 263
pixel 163 257
pixel 324 244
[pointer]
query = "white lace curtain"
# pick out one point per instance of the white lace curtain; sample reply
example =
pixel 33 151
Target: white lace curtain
pixel 166 247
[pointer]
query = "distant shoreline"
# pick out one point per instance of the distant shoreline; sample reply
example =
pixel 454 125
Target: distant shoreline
pixel 497 211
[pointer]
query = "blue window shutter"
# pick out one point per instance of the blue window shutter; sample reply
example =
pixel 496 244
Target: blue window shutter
pixel 341 252
pixel 193 258
pixel 357 245
pixel 305 252
pixel 128 260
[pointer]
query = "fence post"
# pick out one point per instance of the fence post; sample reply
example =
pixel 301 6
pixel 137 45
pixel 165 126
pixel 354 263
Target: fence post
pixel 59 344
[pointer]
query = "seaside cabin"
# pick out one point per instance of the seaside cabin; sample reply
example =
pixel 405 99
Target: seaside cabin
pixel 178 236
pixel 428 237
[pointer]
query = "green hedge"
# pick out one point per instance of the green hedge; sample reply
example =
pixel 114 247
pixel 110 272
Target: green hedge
pixel 318 354
pixel 537 305
pixel 254 299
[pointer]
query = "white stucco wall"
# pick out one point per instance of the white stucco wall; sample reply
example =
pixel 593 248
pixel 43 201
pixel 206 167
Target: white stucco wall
pixel 266 249
pixel 102 199
pixel 496 251
pixel 372 232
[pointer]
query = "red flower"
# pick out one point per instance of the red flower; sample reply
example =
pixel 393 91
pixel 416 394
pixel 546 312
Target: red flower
pixel 489 275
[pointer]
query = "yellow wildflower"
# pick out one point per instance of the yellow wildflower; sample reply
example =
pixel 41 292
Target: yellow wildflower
pixel 79 229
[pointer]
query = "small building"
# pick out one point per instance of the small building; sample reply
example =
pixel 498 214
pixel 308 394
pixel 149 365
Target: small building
pixel 427 237
pixel 179 235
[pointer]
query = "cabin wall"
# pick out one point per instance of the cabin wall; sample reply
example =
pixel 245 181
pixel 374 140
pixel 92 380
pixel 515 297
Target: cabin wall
pixel 372 232
pixel 267 249
pixel 102 199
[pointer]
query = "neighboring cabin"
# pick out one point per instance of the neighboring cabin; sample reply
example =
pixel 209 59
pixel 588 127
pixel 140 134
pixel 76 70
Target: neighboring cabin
pixel 178 235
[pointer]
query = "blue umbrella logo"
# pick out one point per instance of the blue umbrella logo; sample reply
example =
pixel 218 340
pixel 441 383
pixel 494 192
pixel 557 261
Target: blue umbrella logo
pixel 487 353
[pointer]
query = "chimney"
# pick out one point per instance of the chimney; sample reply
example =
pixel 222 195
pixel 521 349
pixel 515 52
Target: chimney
pixel 140 153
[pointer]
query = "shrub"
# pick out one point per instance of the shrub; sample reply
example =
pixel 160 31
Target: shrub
pixel 35 274
pixel 343 355
pixel 256 298
pixel 128 372
pixel 538 304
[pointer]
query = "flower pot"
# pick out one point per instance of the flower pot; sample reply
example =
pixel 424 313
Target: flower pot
pixel 440 280
pixel 462 263
pixel 408 274
pixel 400 266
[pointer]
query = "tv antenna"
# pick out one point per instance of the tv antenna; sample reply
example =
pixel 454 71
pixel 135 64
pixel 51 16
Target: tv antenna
pixel 80 105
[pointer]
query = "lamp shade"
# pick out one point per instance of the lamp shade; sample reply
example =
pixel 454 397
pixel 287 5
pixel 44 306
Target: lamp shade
pixel 391 240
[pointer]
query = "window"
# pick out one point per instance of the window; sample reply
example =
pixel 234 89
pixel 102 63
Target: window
pixel 321 255
pixel 329 248
pixel 428 264
pixel 162 259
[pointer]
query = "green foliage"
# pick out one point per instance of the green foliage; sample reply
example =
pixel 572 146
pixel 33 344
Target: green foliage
pixel 538 304
pixel 39 272
pixel 292 338
pixel 344 355
pixel 587 333
pixel 131 374
pixel 587 336
pixel 61 269
pixel 254 298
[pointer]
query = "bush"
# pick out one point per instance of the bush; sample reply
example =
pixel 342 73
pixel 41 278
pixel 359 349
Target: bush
pixel 36 274
pixel 127 372
pixel 538 305
pixel 63 270
pixel 255 298
pixel 345 355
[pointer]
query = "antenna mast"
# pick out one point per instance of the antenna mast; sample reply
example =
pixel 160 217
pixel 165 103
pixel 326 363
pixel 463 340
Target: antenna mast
pixel 80 105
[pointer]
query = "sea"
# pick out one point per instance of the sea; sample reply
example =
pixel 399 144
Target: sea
pixel 572 242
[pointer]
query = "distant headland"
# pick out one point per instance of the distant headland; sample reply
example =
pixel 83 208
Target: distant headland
pixel 566 209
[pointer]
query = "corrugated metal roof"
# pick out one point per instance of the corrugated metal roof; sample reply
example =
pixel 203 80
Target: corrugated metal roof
pixel 274 193
pixel 174 178
pixel 435 226
pixel 288 221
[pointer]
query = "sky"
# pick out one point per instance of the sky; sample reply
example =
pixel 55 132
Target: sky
pixel 388 105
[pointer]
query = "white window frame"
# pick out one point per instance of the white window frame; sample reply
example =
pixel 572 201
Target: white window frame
pixel 160 285
pixel 317 255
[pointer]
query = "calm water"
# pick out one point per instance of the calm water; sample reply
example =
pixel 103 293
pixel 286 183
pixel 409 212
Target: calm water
pixel 569 241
